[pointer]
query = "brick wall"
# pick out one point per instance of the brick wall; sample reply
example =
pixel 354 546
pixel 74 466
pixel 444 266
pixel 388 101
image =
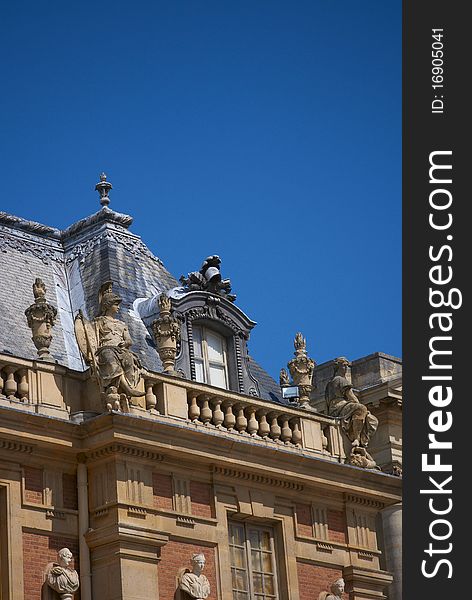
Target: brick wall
pixel 337 526
pixel 33 485
pixel 39 550
pixel 69 491
pixel 313 579
pixel 304 520
pixel 177 555
pixel 201 498
pixel 162 491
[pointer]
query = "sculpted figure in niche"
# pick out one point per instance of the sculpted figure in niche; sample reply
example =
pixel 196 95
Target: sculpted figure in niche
pixel 105 344
pixel 60 578
pixel 193 582
pixel 337 591
pixel 357 422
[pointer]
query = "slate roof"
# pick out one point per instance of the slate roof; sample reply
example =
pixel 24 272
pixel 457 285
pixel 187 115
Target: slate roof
pixel 73 263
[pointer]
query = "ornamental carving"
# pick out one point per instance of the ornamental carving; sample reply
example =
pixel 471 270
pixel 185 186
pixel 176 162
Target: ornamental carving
pixel 209 279
pixel 105 345
pixel 41 317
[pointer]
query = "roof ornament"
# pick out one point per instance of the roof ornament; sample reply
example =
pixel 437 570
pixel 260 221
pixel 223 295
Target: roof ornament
pixel 209 279
pixel 103 187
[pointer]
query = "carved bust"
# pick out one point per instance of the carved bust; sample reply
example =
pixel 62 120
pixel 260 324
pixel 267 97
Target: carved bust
pixel 336 591
pixel 60 578
pixel 193 582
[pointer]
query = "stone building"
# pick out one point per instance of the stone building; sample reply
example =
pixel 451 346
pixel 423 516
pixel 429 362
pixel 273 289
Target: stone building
pixel 139 458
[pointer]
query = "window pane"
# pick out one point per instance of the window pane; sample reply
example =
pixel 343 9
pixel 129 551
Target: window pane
pixel 269 584
pixel 197 342
pixel 217 376
pixel 265 545
pixel 266 563
pixel 215 347
pixel 256 561
pixel 199 370
pixel 257 583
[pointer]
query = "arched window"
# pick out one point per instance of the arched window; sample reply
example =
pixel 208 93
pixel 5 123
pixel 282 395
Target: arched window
pixel 210 354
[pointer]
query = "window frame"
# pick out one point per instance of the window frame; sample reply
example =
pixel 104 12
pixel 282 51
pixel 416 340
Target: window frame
pixel 204 360
pixel 251 593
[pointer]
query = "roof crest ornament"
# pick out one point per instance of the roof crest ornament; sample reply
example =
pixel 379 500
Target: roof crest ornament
pixel 103 187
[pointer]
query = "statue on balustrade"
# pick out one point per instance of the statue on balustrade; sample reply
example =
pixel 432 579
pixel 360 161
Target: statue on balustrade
pixel 357 422
pixel 193 582
pixel 105 345
pixel 61 579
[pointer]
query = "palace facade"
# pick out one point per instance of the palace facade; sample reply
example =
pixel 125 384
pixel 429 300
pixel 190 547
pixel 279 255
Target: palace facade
pixel 143 438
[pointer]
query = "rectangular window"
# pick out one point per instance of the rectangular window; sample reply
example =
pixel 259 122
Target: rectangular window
pixel 253 565
pixel 209 349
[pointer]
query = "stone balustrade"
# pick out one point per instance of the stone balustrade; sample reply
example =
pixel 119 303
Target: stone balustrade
pixel 54 390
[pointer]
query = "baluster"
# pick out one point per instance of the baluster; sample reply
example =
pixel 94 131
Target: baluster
pixel 150 397
pixel 275 430
pixel 1 381
pixel 193 409
pixel 10 383
pixel 286 435
pixel 253 425
pixel 23 387
pixel 296 433
pixel 218 414
pixel 241 421
pixel 230 419
pixel 206 412
pixel 264 427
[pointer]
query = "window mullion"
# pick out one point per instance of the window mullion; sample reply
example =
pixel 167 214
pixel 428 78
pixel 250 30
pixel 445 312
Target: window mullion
pixel 206 362
pixel 249 563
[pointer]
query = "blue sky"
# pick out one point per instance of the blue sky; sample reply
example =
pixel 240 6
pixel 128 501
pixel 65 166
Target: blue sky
pixel 266 132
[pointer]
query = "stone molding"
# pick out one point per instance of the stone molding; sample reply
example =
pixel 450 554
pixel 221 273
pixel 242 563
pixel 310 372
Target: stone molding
pixel 351 499
pixel 16 446
pixel 116 448
pixel 255 478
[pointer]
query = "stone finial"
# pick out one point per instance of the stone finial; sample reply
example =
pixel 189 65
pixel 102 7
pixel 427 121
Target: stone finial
pixel 208 279
pixel 61 580
pixel 301 369
pixel 41 317
pixel 166 329
pixel 193 582
pixel 103 187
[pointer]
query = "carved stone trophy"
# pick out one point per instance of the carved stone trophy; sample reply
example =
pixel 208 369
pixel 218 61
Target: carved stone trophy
pixel 61 581
pixel 301 369
pixel 105 345
pixel 193 582
pixel 41 317
pixel 358 424
pixel 166 329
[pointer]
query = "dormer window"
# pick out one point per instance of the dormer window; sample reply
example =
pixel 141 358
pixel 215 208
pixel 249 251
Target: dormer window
pixel 210 355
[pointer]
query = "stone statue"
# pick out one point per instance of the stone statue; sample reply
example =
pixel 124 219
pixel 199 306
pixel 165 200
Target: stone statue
pixel 60 578
pixel 208 279
pixel 357 422
pixel 337 591
pixel 284 379
pixel 105 345
pixel 166 329
pixel 41 317
pixel 194 582
pixel 301 369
